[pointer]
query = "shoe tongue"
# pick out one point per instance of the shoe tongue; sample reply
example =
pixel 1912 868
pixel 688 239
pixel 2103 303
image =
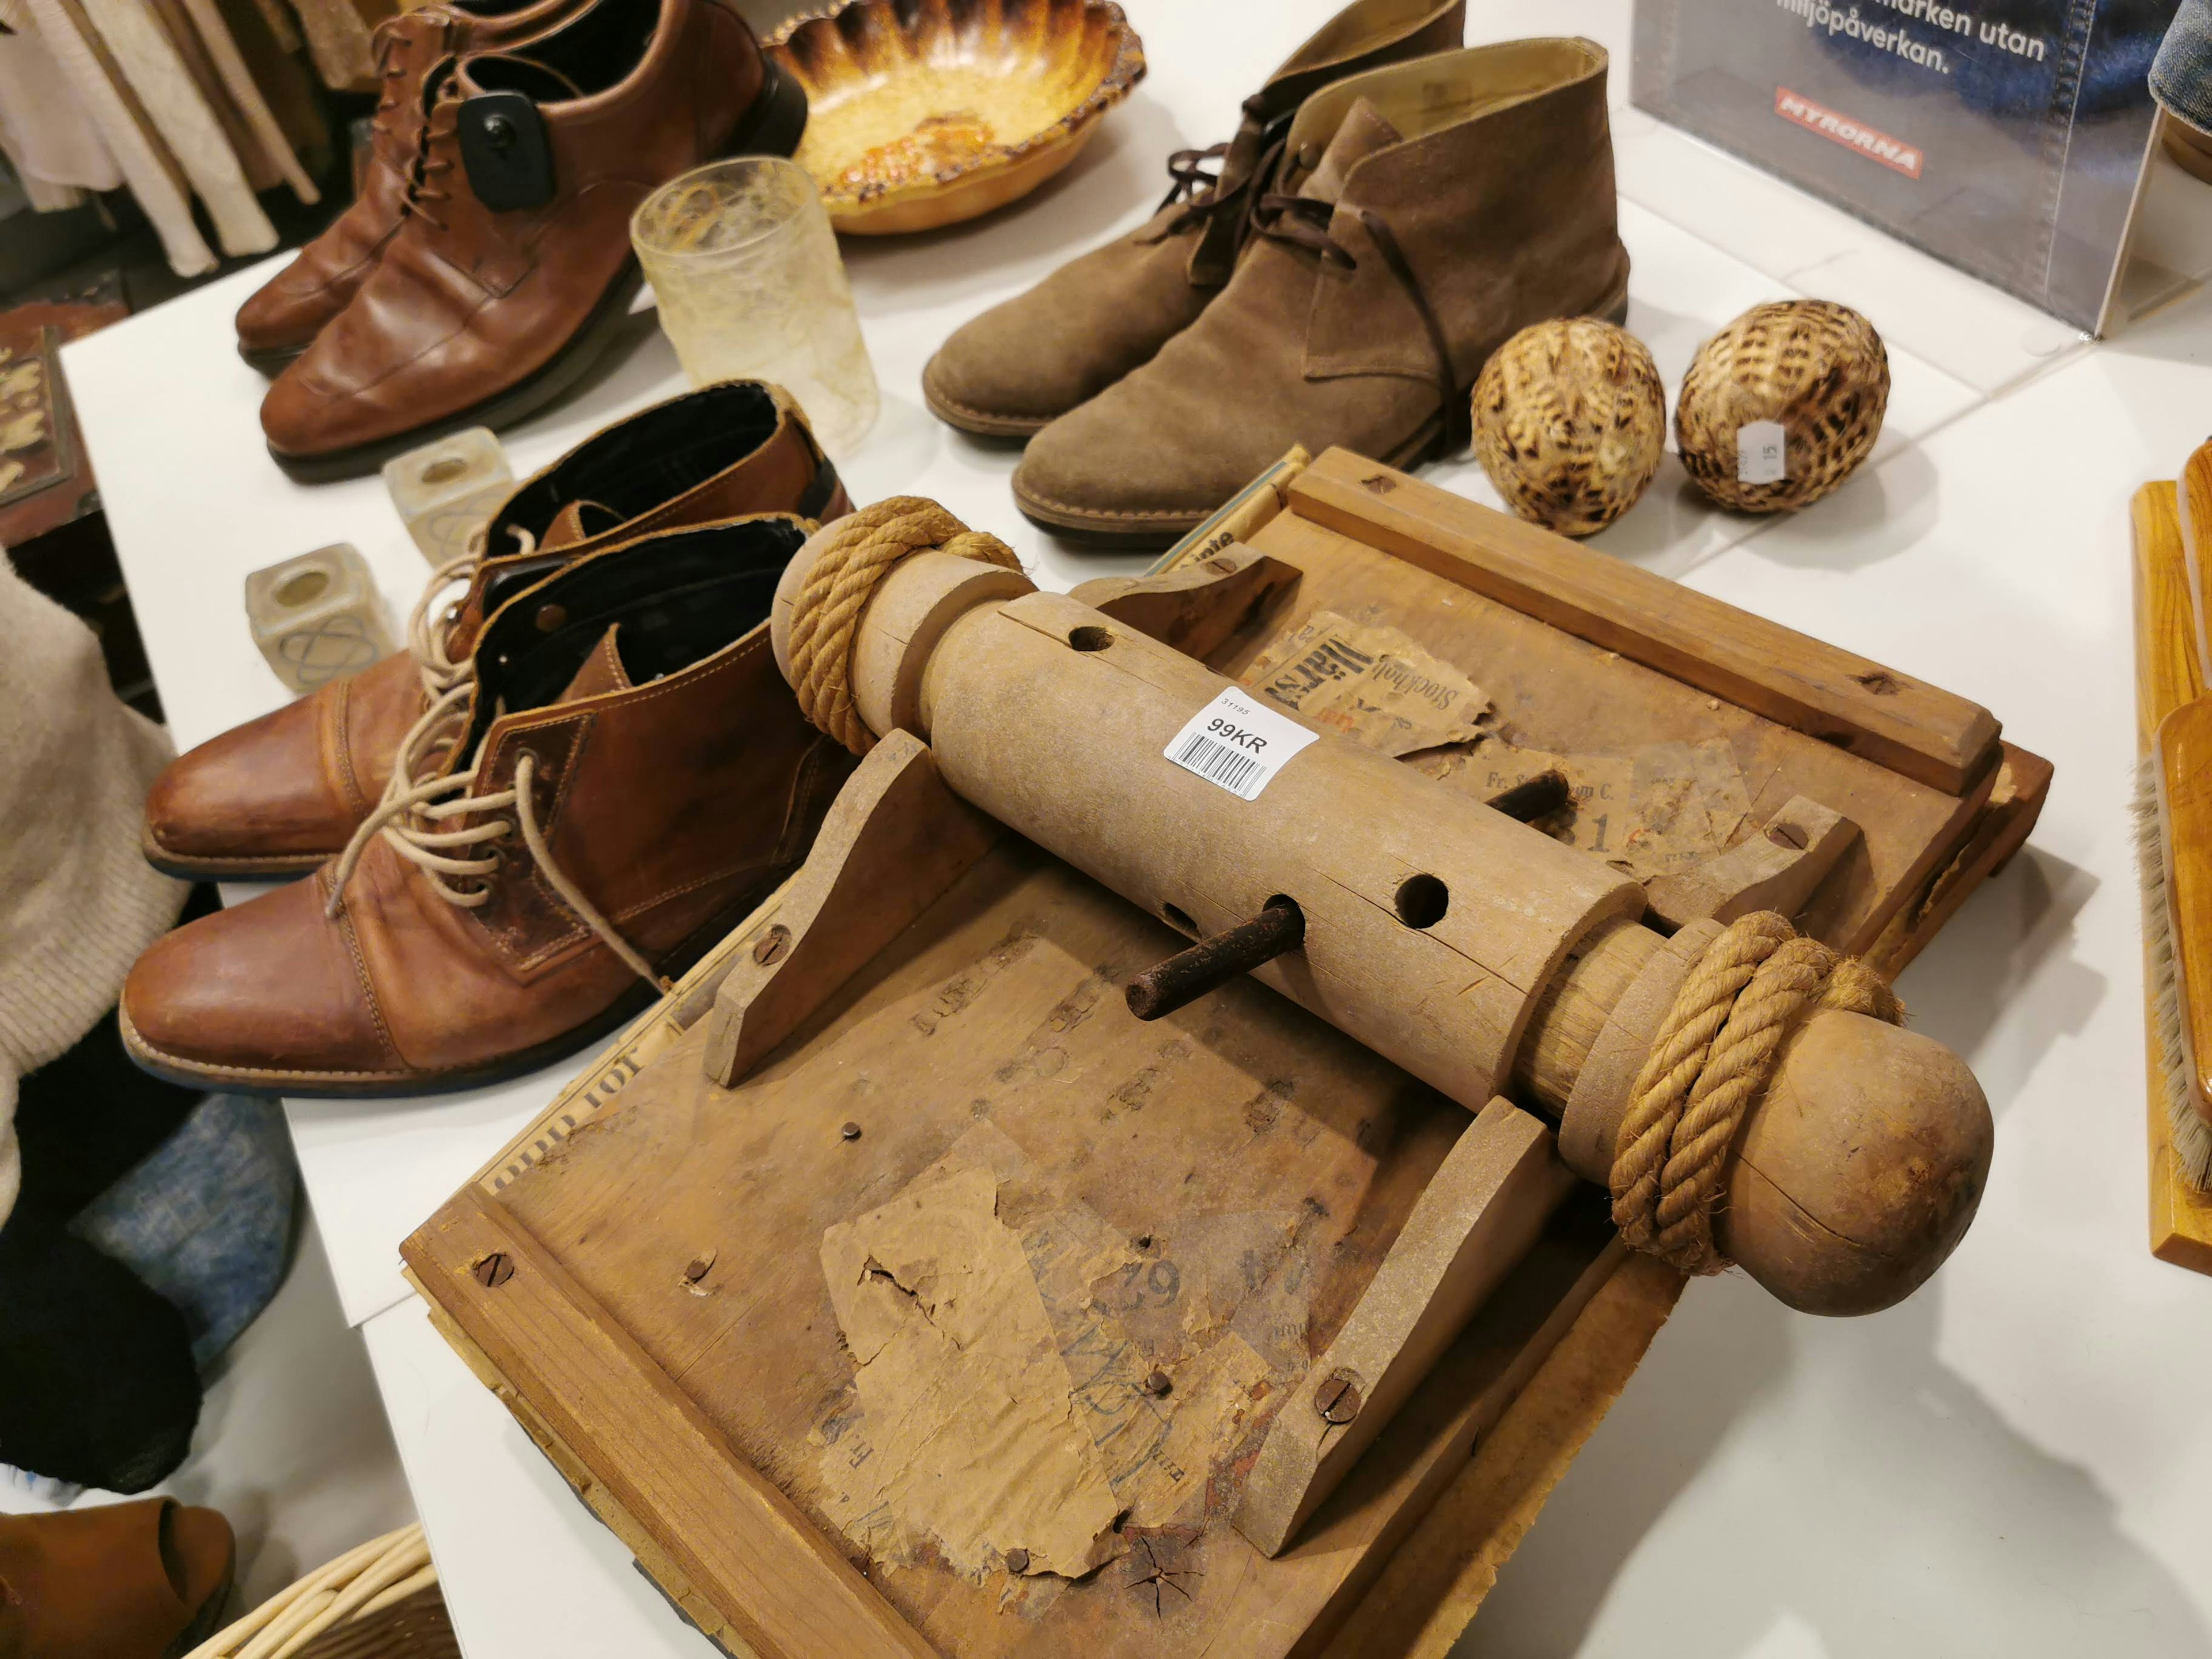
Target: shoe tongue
pixel 501 72
pixel 1362 132
pixel 578 521
pixel 602 671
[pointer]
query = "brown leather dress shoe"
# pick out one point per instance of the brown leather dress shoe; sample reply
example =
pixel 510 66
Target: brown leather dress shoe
pixel 285 314
pixel 631 776
pixel 1031 359
pixel 1425 213
pixel 119 1581
pixel 512 269
pixel 283 793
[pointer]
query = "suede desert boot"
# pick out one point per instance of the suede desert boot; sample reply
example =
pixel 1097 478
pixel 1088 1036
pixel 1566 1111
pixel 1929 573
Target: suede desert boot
pixel 1020 365
pixel 1449 202
pixel 633 775
pixel 285 314
pixel 280 794
pixel 513 271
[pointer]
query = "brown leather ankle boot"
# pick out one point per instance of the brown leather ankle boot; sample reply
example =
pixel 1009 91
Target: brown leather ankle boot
pixel 1022 363
pixel 512 269
pixel 1424 213
pixel 629 776
pixel 280 794
pixel 285 314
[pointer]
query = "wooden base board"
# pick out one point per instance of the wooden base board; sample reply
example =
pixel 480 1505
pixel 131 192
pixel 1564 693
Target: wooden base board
pixel 535 1270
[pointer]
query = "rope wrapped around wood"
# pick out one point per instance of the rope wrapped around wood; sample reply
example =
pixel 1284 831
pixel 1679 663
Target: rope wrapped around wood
pixel 850 557
pixel 1712 1060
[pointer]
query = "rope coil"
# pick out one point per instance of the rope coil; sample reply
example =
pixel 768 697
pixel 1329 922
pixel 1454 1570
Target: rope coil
pixel 1712 1061
pixel 850 557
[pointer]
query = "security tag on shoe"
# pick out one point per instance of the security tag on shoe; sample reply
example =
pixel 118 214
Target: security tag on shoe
pixel 503 147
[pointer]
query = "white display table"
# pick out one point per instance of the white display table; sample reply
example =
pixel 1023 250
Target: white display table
pixel 2012 1462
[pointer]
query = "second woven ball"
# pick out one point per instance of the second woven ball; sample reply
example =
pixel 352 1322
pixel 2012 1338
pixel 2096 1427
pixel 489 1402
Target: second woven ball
pixel 1570 422
pixel 1780 406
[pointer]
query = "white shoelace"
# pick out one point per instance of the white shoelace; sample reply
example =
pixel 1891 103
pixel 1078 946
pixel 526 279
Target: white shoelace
pixel 420 798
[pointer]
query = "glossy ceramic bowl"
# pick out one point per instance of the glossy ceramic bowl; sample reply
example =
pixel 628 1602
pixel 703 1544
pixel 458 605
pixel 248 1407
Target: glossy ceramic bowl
pixel 925 112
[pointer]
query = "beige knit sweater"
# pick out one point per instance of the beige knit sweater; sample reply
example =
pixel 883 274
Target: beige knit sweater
pixel 78 901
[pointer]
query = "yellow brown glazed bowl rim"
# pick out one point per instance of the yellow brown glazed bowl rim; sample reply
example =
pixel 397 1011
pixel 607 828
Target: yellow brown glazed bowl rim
pixel 1128 69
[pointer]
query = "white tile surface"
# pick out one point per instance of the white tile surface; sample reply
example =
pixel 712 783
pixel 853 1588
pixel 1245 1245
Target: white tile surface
pixel 526 1569
pixel 2012 1462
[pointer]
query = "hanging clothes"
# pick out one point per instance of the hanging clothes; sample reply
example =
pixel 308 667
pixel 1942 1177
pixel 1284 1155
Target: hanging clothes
pixel 164 96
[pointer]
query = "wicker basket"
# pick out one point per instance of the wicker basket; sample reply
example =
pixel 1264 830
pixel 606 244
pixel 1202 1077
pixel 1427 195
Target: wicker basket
pixel 379 1601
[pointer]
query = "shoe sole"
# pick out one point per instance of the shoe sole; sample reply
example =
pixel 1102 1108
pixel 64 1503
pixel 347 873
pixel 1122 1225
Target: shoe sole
pixel 1086 531
pixel 981 423
pixel 227 869
pixel 272 363
pixel 395 1085
pixel 777 123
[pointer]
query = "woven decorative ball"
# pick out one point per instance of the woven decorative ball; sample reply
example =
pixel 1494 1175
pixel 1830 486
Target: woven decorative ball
pixel 1570 422
pixel 1781 406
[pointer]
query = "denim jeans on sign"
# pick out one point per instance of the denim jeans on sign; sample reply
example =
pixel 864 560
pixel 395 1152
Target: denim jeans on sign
pixel 2181 75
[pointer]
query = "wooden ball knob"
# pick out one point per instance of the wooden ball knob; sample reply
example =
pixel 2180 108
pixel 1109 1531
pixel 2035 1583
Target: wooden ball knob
pixel 1861 1169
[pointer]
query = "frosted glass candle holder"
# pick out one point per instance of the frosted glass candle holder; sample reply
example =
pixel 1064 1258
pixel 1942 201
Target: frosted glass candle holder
pixel 317 618
pixel 447 491
pixel 746 267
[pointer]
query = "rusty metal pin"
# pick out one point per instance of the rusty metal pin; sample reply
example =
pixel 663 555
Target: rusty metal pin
pixel 1213 962
pixel 770 946
pixel 1532 798
pixel 1157 1384
pixel 850 1131
pixel 1017 1561
pixel 1338 1399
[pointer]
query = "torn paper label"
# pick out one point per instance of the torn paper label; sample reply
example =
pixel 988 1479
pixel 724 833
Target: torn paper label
pixel 969 1435
pixel 1665 807
pixel 1372 682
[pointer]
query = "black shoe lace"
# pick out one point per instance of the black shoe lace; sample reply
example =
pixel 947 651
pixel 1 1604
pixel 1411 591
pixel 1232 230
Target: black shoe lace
pixel 1303 221
pixel 1200 191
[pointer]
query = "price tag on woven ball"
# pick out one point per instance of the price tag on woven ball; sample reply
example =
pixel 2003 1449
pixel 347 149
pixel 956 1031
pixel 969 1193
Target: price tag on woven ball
pixel 1760 455
pixel 1237 743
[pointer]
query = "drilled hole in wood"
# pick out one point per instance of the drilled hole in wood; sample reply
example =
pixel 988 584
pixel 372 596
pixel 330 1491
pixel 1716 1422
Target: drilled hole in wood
pixel 1178 917
pixel 443 472
pixel 1090 638
pixel 1422 901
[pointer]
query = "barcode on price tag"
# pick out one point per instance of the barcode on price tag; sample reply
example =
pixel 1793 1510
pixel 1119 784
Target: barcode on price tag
pixel 1761 452
pixel 1238 742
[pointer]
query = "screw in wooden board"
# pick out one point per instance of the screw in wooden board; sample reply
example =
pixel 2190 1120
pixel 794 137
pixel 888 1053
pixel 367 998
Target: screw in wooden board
pixel 770 946
pixel 1338 1399
pixel 850 1131
pixel 697 1270
pixel 1223 567
pixel 1157 1384
pixel 494 1270
pixel 1017 1561
pixel 1787 834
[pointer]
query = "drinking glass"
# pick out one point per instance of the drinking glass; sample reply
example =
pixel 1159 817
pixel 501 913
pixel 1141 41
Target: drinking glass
pixel 743 263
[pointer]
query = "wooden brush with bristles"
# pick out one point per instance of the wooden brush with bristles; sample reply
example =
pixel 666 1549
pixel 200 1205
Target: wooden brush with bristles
pixel 2173 817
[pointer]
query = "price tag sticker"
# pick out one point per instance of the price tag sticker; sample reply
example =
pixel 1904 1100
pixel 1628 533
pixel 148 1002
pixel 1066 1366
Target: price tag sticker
pixel 1237 743
pixel 1761 454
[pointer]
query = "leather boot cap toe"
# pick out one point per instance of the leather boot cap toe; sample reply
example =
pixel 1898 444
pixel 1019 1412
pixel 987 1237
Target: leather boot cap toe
pixel 253 994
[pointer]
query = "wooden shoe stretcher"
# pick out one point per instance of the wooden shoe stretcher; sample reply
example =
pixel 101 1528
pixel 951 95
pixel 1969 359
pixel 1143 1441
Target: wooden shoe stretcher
pixel 893 1288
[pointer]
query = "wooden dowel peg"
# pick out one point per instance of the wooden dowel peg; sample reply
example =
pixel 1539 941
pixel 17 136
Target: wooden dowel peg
pixel 1213 962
